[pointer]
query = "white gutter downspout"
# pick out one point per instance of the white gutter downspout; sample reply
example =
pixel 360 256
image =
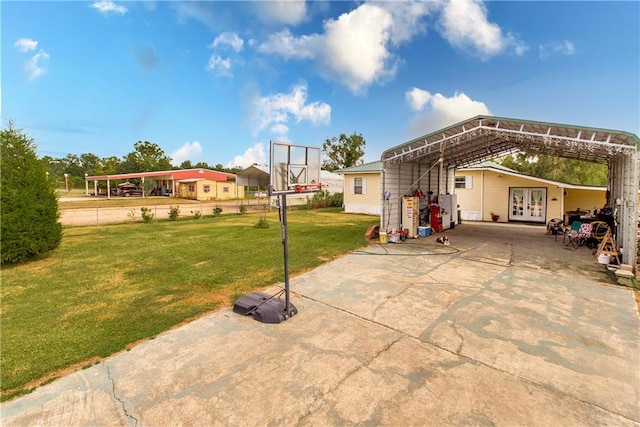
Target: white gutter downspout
pixel 482 195
pixel 562 203
pixel 384 192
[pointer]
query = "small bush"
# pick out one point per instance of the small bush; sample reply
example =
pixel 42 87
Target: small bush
pixel 147 216
pixel 174 212
pixel 262 222
pixel 338 200
pixel 242 209
pixel 217 211
pixel 324 199
pixel 131 215
pixel 196 214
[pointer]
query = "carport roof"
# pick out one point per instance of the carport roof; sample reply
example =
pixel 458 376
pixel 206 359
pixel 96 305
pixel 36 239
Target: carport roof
pixel 254 175
pixel 485 137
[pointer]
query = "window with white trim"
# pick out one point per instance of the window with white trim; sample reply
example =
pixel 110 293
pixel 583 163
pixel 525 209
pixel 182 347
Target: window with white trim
pixel 464 181
pixel 359 186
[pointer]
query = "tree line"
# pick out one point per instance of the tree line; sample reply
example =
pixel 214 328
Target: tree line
pixel 558 169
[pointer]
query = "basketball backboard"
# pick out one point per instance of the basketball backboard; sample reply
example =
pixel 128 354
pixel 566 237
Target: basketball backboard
pixel 293 167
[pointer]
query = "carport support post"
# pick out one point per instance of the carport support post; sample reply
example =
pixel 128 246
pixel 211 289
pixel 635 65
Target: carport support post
pixel 285 245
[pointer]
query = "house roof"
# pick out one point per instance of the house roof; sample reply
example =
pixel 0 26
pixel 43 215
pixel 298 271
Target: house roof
pixel 491 165
pixel 485 137
pixel 363 168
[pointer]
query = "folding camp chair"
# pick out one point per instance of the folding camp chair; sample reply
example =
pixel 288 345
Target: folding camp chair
pixel 571 235
pixel 584 233
pixel 555 226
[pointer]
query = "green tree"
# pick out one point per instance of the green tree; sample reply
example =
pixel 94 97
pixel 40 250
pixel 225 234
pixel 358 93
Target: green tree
pixel 54 171
pixel 110 165
pixel 202 165
pixel 558 169
pixel 147 157
pixel 343 151
pixel 29 221
pixel 90 164
pixel 186 165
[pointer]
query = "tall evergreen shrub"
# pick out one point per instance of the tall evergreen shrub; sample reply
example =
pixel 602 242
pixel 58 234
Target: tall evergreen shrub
pixel 28 205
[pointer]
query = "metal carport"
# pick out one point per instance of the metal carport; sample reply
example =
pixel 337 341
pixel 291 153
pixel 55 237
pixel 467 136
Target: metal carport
pixel 429 162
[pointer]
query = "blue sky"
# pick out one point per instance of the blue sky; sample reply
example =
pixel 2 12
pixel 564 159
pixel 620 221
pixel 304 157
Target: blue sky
pixel 216 81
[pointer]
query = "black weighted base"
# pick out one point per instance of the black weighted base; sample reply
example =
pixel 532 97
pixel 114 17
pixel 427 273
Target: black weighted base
pixel 264 308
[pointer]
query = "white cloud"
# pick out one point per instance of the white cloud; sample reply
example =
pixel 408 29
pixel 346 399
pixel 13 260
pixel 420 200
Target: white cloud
pixel 407 18
pixel 464 24
pixel 106 6
pixel 285 44
pixel 443 111
pixel 417 98
pixel 228 39
pixel 288 12
pixel 219 66
pixel 188 151
pixel 26 45
pixel 34 66
pixel 254 154
pixel 280 131
pixel 200 11
pixel 354 48
pixel 565 48
pixel 274 111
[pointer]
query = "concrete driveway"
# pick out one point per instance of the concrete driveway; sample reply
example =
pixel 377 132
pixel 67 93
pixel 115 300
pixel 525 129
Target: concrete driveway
pixel 503 327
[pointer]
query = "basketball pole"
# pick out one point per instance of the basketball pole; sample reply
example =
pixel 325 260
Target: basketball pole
pixel 285 245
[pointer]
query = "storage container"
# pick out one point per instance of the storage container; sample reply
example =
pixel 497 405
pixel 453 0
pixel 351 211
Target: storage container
pixel 383 237
pixel 424 231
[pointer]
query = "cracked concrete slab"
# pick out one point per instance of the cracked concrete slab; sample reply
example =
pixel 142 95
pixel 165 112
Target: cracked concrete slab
pixel 504 327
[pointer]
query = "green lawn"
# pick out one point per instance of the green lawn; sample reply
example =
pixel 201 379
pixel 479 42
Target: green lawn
pixel 108 287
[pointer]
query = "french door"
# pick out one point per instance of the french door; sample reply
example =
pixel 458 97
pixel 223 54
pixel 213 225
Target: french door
pixel 527 204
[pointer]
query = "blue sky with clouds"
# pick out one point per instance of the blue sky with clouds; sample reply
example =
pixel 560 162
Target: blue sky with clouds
pixel 216 81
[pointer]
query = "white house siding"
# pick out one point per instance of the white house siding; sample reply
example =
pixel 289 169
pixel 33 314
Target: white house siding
pixel 470 197
pixel 369 200
pixel 362 209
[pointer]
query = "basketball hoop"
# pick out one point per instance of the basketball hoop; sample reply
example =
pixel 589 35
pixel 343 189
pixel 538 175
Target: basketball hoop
pixel 293 169
pixel 309 188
